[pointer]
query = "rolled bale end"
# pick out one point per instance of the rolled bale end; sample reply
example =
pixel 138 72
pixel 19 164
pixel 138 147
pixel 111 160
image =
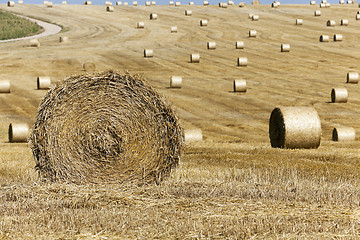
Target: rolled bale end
pixel 148 53
pixel 153 3
pixel 344 22
pixel 43 83
pixel 193 135
pixel 312 2
pixel 147 3
pixel 206 3
pixel 177 4
pixel 34 43
pixel 274 5
pixel 203 23
pixel 195 58
pixel 11 4
pixel 188 12
pixel 191 3
pixel 18 132
pixel 140 25
pixel 285 47
pixel 121 131
pixel 252 34
pixel 295 127
pixel 324 38
pixel 239 45
pixel 352 77
pixel 4 86
pixel 64 39
pixel 299 22
pixel 118 3
pixel 331 23
pixel 341 2
pixel 153 16
pixel 338 37
pixel 255 18
pixel 317 13
pixel 175 81
pixel 173 29
pixel 342 134
pixel 87 3
pixel 89 67
pixel 211 45
pixel 109 8
pixel 135 3
pixel 171 3
pixel 339 95
pixel 242 61
pixel 240 85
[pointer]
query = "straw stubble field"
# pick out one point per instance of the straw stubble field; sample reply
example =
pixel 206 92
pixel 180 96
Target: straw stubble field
pixel 232 185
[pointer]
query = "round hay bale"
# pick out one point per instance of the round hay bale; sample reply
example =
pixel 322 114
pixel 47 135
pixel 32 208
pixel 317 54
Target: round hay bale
pixel 255 17
pixel 126 4
pixel 87 3
pixel 294 127
pixel 357 17
pixel 322 5
pixel 324 38
pixel 20 2
pixel 252 33
pixel 242 61
pixel 191 3
pixel 250 15
pixel 299 21
pixel 342 134
pixel 153 3
pixel 34 42
pixel 89 67
pixel 11 4
pixel 239 85
pixel 317 13
pixel 344 22
pixel 341 2
pixel 195 57
pixel 153 16
pixel 274 5
pixel 323 1
pixel 4 86
pixel 193 135
pixel 49 4
pixel 43 82
pixel 203 23
pixel 18 132
pixel 206 3
pixel 339 95
pixel 211 45
pixel 327 5
pixel 230 3
pixel 135 3
pixel 108 3
pixel 45 2
pixel 148 53
pixel 173 29
pixel 140 25
pixel 64 39
pixel 349 2
pixel 64 2
pixel 312 2
pixel 331 23
pixel 352 77
pixel 118 3
pixel 147 3
pixel 177 4
pixel 223 5
pixel 171 3
pixel 188 12
pixel 285 47
pixel 105 127
pixel 338 37
pixel 239 45
pixel 242 4
pixel 175 82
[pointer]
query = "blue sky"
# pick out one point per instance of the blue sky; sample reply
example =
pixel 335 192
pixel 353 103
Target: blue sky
pixel 101 2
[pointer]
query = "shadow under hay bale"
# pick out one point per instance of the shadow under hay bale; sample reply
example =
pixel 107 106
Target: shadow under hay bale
pixel 295 127
pixel 105 127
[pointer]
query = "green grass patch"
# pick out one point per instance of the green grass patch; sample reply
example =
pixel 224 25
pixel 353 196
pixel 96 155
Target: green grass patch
pixel 12 26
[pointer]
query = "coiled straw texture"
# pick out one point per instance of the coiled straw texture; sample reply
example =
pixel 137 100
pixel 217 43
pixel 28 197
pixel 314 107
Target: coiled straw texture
pixel 105 127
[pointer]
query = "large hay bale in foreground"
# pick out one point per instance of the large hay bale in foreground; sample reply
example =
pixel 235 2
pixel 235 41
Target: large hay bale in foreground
pixel 105 127
pixel 295 127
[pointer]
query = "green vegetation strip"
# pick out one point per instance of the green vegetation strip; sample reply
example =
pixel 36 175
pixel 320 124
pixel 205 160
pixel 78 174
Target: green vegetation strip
pixel 12 26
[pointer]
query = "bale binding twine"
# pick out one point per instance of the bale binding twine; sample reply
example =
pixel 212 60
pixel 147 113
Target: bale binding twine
pixel 295 127
pixel 105 127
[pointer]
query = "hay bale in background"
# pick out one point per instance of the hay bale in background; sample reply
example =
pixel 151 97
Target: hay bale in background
pixel 11 4
pixel 118 3
pixel 43 82
pixel 357 16
pixel 206 3
pixel 140 25
pixel 242 61
pixel 108 3
pixel 171 3
pixel 125 4
pixel 191 3
pixel 344 22
pixel 330 23
pixel 324 38
pixel 230 3
pixel 239 45
pixel 255 18
pixel 294 127
pixel 49 4
pixel 352 77
pixel 299 22
pixel 87 3
pixel 173 29
pixel 153 16
pixel 18 132
pixel 175 81
pixel 255 2
pixel 343 134
pixel 135 3
pixel 211 45
pixel 242 4
pixel 64 2
pixel 188 12
pixel 239 85
pixel 252 33
pixel 195 58
pixel 312 2
pixel 105 127
pixel 177 4
pixel 285 47
pixel 4 86
pixel 341 1
pixel 64 39
pixel 153 3
pixel 203 22
pixel 339 95
pixel 148 53
pixel 317 13
pixel 89 67
pixel 109 8
pixel 338 37
pixel 148 3
pixel 274 5
pixel 20 2
pixel 193 135
pixel 34 42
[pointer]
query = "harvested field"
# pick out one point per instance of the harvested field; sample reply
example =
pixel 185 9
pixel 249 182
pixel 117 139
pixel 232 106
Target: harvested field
pixel 231 185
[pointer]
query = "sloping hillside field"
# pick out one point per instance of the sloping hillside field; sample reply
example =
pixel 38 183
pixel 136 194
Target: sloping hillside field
pixel 230 185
